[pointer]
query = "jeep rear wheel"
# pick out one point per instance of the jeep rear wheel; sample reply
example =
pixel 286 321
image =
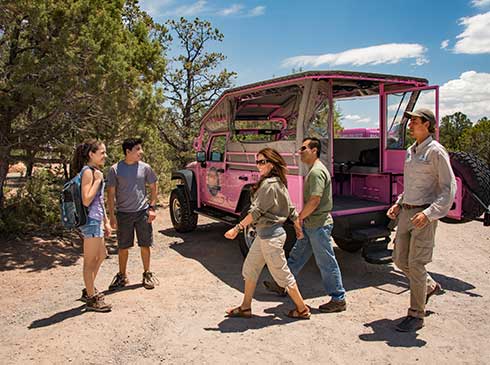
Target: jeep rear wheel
pixel 475 175
pixel 181 214
pixel 349 246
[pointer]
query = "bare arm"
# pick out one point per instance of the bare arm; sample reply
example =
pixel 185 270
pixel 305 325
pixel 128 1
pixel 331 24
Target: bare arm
pixel 90 185
pixel 111 194
pixel 153 201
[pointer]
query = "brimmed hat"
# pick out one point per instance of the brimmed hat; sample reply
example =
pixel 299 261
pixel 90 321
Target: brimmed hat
pixel 426 114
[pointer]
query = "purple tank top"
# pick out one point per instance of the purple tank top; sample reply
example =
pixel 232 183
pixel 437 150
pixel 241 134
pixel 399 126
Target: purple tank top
pixel 96 209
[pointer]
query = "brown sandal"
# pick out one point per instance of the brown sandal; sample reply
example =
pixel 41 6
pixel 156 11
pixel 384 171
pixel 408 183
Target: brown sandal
pixel 238 312
pixel 304 314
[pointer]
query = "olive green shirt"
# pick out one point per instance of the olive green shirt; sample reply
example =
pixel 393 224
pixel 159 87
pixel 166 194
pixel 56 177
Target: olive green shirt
pixel 318 183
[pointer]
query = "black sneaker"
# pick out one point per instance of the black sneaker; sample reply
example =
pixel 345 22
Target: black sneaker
pixel 273 287
pixel 84 296
pixel 97 304
pixel 119 281
pixel 149 280
pixel 410 324
pixel 333 306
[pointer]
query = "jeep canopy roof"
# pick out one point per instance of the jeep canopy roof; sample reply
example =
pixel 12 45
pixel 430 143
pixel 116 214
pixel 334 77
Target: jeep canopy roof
pixel 280 98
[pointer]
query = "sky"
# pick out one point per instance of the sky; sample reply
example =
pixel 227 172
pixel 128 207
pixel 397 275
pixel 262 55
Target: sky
pixel 446 42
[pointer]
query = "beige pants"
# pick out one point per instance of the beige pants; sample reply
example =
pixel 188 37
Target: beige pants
pixel 413 250
pixel 268 251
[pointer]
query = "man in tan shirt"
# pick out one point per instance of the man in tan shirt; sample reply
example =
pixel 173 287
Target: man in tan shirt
pixel 429 189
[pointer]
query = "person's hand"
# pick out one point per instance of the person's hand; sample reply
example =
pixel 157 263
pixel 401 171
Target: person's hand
pixel 231 233
pixel 107 229
pixel 419 220
pixel 98 175
pixel 151 215
pixel 298 229
pixel 113 222
pixel 393 212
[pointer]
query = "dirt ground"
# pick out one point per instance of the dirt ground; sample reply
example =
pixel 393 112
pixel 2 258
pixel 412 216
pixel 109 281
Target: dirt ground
pixel 182 320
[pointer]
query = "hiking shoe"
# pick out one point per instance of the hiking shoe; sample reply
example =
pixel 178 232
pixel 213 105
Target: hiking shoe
pixel 333 306
pixel 119 281
pixel 84 296
pixel 149 280
pixel 273 287
pixel 410 324
pixel 97 304
pixel 437 289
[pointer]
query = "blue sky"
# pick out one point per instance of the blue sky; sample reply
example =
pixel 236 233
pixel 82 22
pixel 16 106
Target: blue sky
pixel 447 42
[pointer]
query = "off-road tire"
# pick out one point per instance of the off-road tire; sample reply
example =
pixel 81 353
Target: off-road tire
pixel 246 237
pixel 183 217
pixel 475 175
pixel 349 246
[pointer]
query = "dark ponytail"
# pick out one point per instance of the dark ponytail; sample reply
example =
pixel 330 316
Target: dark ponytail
pixel 81 155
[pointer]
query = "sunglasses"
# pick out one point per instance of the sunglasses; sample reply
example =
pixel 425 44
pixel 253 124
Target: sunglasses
pixel 302 148
pixel 261 162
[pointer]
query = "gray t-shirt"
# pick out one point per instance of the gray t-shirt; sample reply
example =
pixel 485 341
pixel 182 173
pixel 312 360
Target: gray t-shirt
pixel 130 182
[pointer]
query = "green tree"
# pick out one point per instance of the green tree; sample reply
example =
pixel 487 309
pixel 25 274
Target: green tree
pixel 476 140
pixel 452 128
pixel 192 82
pixel 73 69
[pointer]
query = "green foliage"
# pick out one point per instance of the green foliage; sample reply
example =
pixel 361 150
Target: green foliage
pixel 476 140
pixel 33 206
pixel 451 130
pixel 192 82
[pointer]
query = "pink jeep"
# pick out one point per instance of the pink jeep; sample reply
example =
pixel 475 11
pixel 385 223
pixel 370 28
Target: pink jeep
pixel 366 164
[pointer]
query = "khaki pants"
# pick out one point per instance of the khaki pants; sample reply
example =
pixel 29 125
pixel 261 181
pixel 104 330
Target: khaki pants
pixel 413 250
pixel 268 251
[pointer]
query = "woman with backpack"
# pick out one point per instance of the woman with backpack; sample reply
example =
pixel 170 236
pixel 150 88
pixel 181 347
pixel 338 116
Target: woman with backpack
pixel 271 207
pixel 89 158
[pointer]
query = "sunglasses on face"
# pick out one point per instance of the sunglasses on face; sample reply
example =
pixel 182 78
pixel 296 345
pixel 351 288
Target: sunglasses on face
pixel 302 148
pixel 261 162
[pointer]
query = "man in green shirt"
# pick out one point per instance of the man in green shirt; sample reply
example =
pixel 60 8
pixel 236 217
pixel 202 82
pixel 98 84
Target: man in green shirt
pixel 317 228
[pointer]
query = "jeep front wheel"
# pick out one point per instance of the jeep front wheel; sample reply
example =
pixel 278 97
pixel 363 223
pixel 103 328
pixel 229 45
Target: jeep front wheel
pixel 182 216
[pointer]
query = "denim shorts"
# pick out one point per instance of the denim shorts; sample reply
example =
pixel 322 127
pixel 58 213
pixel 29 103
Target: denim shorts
pixel 93 228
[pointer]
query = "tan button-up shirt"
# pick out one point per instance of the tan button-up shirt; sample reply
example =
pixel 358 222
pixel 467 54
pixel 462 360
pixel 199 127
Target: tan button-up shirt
pixel 428 179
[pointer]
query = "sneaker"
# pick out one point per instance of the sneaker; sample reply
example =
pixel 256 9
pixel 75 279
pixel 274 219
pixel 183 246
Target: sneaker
pixel 84 296
pixel 149 280
pixel 119 281
pixel 97 304
pixel 437 289
pixel 333 306
pixel 410 324
pixel 273 287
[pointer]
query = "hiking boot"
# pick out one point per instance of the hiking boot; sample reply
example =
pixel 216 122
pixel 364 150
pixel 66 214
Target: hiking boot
pixel 119 281
pixel 333 306
pixel 84 296
pixel 97 304
pixel 410 324
pixel 149 280
pixel 273 287
pixel 437 289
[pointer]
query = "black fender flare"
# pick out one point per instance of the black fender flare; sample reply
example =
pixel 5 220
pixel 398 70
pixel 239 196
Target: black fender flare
pixel 189 182
pixel 244 199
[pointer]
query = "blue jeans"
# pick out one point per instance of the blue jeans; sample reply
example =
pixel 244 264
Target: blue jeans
pixel 317 242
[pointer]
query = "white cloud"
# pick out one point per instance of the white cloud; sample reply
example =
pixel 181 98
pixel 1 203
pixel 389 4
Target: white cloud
pixel 375 55
pixel 469 94
pixel 234 9
pixel 480 3
pixel 356 118
pixel 444 44
pixel 476 37
pixel 257 11
pixel 155 7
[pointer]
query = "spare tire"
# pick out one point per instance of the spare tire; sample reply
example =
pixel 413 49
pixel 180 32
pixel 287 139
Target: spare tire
pixel 475 175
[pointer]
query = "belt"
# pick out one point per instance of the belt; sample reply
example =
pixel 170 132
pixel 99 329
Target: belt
pixel 409 206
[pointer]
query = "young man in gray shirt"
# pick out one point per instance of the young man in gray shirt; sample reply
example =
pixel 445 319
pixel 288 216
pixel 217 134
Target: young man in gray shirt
pixel 126 183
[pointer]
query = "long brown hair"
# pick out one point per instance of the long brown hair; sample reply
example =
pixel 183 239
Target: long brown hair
pixel 279 168
pixel 81 155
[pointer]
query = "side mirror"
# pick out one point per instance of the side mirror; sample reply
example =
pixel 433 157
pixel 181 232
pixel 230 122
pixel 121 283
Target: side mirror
pixel 201 156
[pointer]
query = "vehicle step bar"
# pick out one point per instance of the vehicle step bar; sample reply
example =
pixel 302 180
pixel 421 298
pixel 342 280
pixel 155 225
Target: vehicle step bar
pixel 217 215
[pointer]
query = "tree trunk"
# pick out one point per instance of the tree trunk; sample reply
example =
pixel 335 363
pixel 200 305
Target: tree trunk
pixel 4 168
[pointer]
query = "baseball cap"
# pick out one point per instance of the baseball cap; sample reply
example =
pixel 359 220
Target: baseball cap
pixel 423 113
